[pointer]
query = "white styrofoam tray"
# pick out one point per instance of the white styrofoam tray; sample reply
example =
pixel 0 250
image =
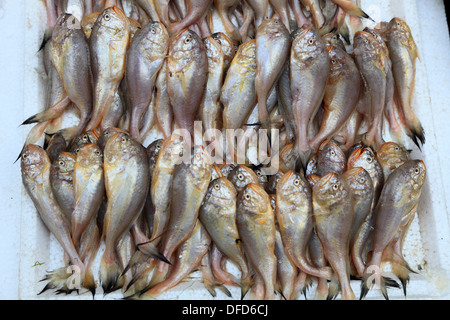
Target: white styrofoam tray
pixel 27 249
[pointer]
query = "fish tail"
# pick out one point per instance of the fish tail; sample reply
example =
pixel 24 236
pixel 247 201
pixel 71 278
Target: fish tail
pixel 400 268
pixel 56 279
pixel 246 283
pixel 334 288
pixel 370 280
pixel 110 271
pixel 322 290
pixel 152 251
pixel 89 282
pixel 352 9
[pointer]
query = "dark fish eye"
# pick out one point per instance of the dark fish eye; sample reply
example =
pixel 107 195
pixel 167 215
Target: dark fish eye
pixel 397 148
pixel 217 186
pixel 124 139
pixel 333 61
pixel 296 182
pixel 97 152
pixel 332 152
pixel 310 41
pixel 24 156
pixel 369 159
pixel 240 176
pixel 153 30
pixel 247 196
pixel 362 180
pixel 188 39
pixel 61 162
pixel 335 187
pixel 107 17
pixel 417 170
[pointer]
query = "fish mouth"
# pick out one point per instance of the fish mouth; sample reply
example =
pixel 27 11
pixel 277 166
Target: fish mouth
pixel 256 188
pixel 326 178
pixel 286 177
pixel 227 183
pixel 352 172
pixel 354 156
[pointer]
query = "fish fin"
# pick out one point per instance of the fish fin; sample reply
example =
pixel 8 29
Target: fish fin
pixel 110 274
pixel 89 282
pixel 333 288
pixel 344 31
pixel 30 120
pixel 150 250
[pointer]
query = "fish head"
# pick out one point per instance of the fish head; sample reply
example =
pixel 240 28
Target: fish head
pixel 113 23
pixel 89 156
pixel 333 39
pixel 262 178
pixel 311 166
pixel 368 48
pixel 392 152
pixel 34 160
pixel 292 184
pixel 214 51
pixel 417 172
pixel 308 44
pixel 154 147
pixel 399 26
pixel 241 176
pixel 158 37
pixel 229 46
pixel 226 168
pixel 87 23
pixel 246 53
pixel 187 42
pixel 106 135
pixel 121 147
pixel 273 181
pixel 221 190
pixel 359 180
pixel 365 158
pixel 330 189
pixel 64 165
pixel 173 150
pixel 254 199
pixel 273 28
pixel 331 154
pixel 201 157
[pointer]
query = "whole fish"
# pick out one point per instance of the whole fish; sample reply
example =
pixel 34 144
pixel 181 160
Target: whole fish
pixel 400 196
pixel 187 71
pixel 126 183
pixel 211 110
pixel 391 155
pixel 61 180
pixel 341 95
pixel 189 186
pixel 362 192
pixel 294 212
pixel 218 216
pixel 372 62
pixel 333 214
pixel 70 51
pixel 241 176
pixel 189 256
pixel 330 158
pixel 256 225
pixel 88 187
pixel 144 59
pixel 108 44
pixel 309 67
pixel 403 53
pixel 35 168
pixel 273 43
pixel 238 94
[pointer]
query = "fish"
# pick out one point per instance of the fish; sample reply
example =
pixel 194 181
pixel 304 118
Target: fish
pixel 187 73
pixel 309 68
pixel 106 135
pixel 362 193
pixel 399 197
pixel 403 53
pixel 372 63
pixel 261 8
pixel 189 186
pixel 218 216
pixel 70 51
pixel 88 187
pixel 223 8
pixel 56 144
pixel 229 48
pixel 391 155
pixel 285 102
pixel 286 270
pixel 189 256
pixel 273 44
pixel 316 12
pixel 256 226
pixel 61 182
pixel 294 213
pixel 281 7
pixel 126 191
pixel 195 10
pixel 352 9
pixel 330 158
pixel 238 93
pixel 333 215
pixel 211 110
pixel 241 176
pixel 334 40
pixel 163 108
pixel 341 95
pixel 108 42
pixel 144 58
pixel 35 168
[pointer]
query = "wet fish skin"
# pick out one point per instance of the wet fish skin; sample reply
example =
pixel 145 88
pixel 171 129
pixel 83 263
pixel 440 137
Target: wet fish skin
pixel 334 40
pixel 309 67
pixel 403 53
pixel 126 190
pixel 35 168
pixel 273 44
pixel 187 70
pixel 89 189
pixel 333 214
pixel 391 155
pixel 256 225
pixel 195 10
pixel 108 42
pixel 218 216
pixel 229 47
pixel 106 135
pixel 316 12
pixel 341 95
pixel 399 197
pixel 294 213
pixel 163 108
pixel 70 51
pixel 145 57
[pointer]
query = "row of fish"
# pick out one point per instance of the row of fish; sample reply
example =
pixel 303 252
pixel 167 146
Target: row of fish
pixel 343 197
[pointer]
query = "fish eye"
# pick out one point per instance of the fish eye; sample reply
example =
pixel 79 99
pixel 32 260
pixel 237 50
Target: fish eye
pixel 97 152
pixel 396 148
pixel 362 180
pixel 335 187
pixel 188 39
pixel 258 173
pixel 417 170
pixel 332 153
pixel 107 17
pixel 311 41
pixel 366 41
pixel 24 156
pixel 76 150
pixel 240 176
pixel 61 162
pixel 153 30
pixel 296 182
pixel 369 159
pixel 217 186
pixel 333 61
pixel 247 196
